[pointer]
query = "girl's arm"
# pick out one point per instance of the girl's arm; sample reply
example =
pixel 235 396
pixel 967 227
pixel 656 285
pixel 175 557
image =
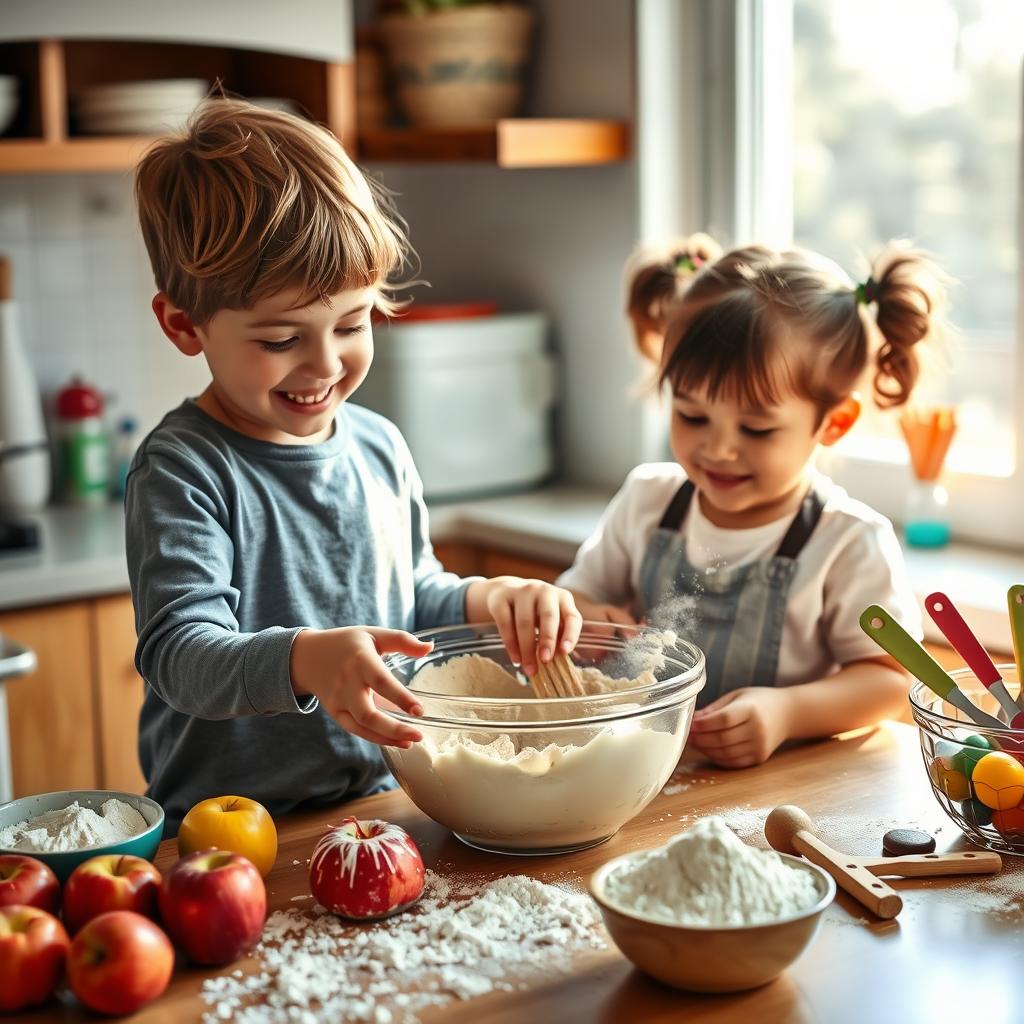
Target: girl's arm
pixel 746 726
pixel 861 693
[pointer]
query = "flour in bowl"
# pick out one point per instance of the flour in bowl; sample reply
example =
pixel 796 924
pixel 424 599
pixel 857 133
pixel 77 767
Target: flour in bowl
pixel 708 876
pixel 74 828
pixel 504 792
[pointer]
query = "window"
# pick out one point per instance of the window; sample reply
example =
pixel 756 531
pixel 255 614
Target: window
pixel 907 122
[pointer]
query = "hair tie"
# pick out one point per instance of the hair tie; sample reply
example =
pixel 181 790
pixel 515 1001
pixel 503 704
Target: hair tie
pixel 688 263
pixel 867 292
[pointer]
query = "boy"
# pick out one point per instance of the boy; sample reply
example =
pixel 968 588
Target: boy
pixel 277 537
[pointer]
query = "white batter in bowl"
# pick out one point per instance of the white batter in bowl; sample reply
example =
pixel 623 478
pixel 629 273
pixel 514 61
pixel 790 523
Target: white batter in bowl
pixel 510 773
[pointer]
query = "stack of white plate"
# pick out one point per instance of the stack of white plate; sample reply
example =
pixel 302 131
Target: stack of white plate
pixel 8 101
pixel 138 108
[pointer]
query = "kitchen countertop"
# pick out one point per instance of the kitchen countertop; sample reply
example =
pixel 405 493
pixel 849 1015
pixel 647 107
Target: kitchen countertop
pixel 953 954
pixel 82 554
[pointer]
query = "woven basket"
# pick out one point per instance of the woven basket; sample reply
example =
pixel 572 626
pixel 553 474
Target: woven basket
pixel 460 66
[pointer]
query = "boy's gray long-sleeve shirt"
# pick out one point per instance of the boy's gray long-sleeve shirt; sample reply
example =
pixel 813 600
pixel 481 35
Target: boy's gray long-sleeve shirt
pixel 233 546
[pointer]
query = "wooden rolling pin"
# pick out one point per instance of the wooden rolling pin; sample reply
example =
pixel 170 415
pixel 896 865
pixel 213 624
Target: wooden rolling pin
pixel 789 830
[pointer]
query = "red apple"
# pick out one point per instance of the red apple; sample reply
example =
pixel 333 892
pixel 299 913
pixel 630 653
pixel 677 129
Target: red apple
pixel 213 904
pixel 119 961
pixel 110 881
pixel 366 869
pixel 29 882
pixel 33 945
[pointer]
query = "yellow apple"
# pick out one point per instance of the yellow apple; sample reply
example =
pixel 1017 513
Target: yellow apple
pixel 233 823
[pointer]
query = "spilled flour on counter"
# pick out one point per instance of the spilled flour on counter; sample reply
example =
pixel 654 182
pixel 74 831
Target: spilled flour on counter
pixel 709 876
pixel 74 828
pixel 455 944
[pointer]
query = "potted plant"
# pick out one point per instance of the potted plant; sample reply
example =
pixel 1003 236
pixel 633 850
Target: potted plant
pixel 457 62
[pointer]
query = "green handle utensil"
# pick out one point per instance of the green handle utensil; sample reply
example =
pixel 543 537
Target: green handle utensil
pixel 897 642
pixel 1015 606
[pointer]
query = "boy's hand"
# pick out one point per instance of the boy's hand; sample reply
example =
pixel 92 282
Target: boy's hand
pixel 532 617
pixel 742 728
pixel 343 668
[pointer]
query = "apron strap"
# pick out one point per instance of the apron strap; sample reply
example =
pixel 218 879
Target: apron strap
pixel 804 522
pixel 678 507
pixel 799 532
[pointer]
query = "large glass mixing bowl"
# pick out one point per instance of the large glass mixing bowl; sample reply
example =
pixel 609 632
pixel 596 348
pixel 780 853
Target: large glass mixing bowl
pixel 516 774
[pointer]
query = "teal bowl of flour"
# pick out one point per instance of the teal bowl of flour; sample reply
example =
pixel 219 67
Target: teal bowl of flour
pixel 142 844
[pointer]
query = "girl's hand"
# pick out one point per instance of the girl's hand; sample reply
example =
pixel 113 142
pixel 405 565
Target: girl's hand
pixel 532 617
pixel 343 668
pixel 742 728
pixel 594 612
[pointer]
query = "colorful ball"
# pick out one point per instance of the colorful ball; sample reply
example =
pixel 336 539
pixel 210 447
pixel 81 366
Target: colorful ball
pixel 976 813
pixel 998 781
pixel 948 780
pixel 967 758
pixel 1009 823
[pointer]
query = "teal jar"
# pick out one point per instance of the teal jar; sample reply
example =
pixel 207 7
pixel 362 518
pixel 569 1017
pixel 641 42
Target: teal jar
pixel 926 523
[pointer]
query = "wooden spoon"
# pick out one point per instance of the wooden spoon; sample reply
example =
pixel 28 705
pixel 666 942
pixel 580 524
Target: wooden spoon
pixel 788 829
pixel 558 677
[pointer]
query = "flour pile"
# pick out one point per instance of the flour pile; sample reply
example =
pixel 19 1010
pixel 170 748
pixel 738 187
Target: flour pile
pixel 74 828
pixel 316 967
pixel 709 876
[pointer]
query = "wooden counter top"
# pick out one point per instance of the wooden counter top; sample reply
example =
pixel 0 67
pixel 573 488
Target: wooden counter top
pixel 954 953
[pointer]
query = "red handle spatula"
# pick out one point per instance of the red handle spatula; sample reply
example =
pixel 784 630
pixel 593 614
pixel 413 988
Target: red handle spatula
pixel 967 645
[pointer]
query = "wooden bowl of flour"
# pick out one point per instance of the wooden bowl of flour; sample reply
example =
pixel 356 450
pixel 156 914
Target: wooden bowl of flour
pixel 712 958
pixel 141 844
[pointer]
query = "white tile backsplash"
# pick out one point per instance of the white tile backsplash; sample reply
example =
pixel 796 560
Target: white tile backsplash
pixel 83 286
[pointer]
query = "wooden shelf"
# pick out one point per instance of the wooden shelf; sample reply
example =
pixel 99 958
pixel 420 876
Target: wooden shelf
pixel 513 142
pixel 43 141
pixel 51 71
pixel 79 156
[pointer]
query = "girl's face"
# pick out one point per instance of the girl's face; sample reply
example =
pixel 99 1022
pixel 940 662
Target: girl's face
pixel 281 369
pixel 749 464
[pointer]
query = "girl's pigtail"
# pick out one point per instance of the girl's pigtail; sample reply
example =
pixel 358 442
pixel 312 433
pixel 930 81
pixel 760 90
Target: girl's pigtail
pixel 908 290
pixel 657 280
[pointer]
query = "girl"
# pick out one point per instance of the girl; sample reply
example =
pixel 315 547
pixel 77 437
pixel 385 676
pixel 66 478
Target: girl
pixel 741 544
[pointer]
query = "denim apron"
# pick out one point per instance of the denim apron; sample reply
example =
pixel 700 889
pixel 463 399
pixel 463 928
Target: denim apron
pixel 735 616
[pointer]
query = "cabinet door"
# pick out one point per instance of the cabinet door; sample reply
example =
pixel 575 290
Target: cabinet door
pixel 495 563
pixel 119 693
pixel 50 713
pixel 461 559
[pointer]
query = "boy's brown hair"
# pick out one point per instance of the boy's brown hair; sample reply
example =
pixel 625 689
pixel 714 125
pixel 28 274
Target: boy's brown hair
pixel 245 202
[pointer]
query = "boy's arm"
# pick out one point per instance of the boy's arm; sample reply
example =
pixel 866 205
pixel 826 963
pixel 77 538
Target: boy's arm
pixel 180 556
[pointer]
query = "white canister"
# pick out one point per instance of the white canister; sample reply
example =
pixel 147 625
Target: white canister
pixel 24 450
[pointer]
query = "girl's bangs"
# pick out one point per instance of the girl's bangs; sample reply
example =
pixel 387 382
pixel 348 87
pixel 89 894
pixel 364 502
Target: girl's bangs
pixel 730 350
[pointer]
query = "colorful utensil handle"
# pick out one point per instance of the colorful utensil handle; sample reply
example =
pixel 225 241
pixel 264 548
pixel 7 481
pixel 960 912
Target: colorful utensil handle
pixel 1015 606
pixel 959 634
pixel 896 641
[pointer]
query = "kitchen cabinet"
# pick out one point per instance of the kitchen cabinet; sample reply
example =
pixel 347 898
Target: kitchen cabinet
pixel 51 712
pixel 474 560
pixel 73 722
pixel 119 692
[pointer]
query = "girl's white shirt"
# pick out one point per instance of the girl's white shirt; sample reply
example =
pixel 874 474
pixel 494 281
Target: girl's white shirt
pixel 851 560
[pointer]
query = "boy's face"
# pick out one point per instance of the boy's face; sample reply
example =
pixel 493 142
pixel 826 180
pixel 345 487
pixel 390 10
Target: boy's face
pixel 281 369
